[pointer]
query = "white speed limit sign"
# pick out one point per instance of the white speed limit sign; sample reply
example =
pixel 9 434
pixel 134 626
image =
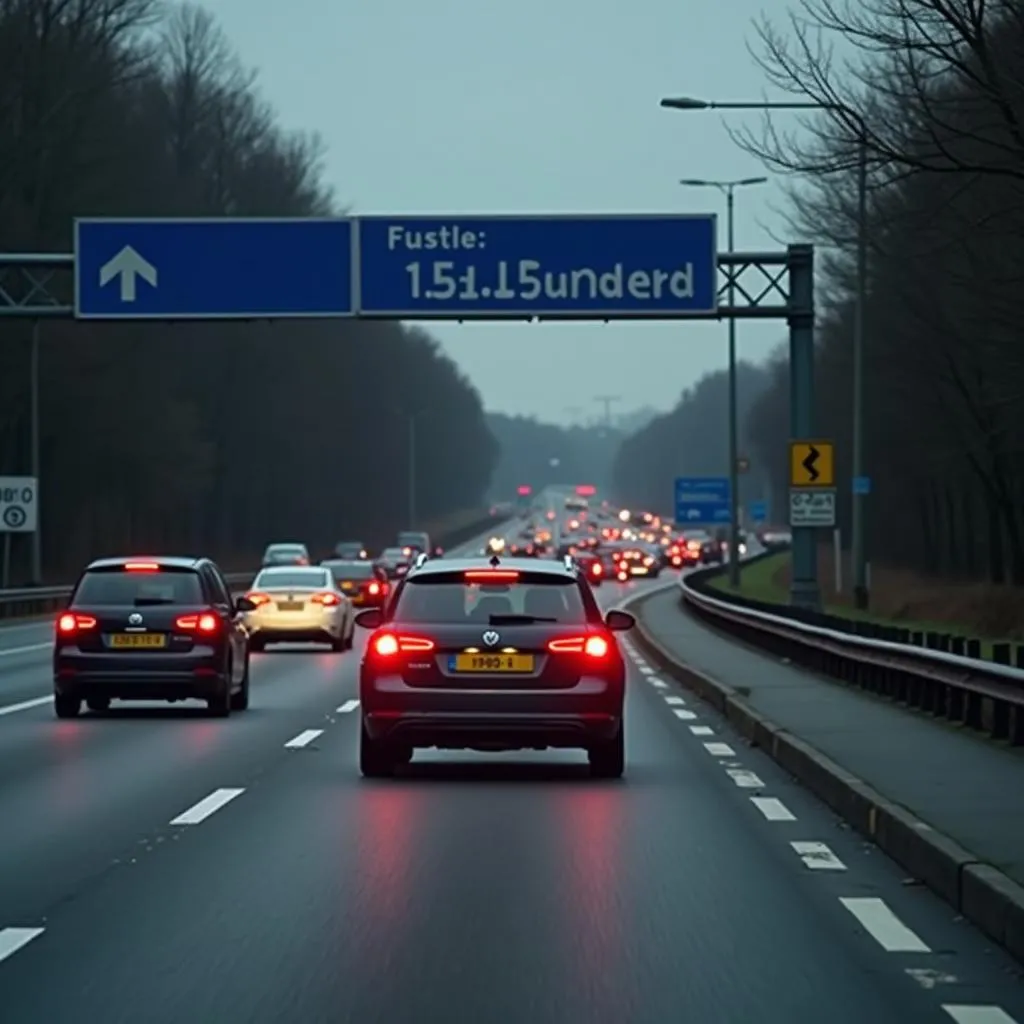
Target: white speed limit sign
pixel 19 504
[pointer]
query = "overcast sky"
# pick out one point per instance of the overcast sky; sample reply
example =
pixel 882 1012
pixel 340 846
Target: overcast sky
pixel 459 106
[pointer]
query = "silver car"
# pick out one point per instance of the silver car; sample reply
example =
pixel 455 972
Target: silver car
pixel 299 604
pixel 286 554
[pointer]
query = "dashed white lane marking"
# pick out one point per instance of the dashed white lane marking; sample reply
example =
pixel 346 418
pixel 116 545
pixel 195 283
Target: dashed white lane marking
pixel 929 978
pixel 719 750
pixel 659 683
pixel 745 779
pixel 678 701
pixel 207 806
pixel 883 925
pixel 304 738
pixel 978 1014
pixel 686 716
pixel 349 705
pixel 12 939
pixel 24 705
pixel 818 856
pixel 702 730
pixel 772 808
pixel 646 669
pixel 27 649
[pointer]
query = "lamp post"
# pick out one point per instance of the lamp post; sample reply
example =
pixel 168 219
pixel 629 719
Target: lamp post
pixel 729 189
pixel 858 552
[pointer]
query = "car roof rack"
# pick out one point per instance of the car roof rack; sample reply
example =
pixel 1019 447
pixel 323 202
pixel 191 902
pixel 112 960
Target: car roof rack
pixel 421 560
pixel 569 563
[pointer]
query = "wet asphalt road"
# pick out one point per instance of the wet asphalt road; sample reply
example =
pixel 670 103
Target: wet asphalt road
pixel 159 866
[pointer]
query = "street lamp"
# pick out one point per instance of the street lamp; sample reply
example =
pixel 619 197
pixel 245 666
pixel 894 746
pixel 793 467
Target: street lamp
pixel 859 556
pixel 729 188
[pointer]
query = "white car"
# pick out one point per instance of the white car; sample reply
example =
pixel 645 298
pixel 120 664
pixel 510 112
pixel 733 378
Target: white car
pixel 299 604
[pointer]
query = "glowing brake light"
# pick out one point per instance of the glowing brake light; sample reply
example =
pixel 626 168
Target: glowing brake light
pixel 387 644
pixel 70 623
pixel 596 569
pixel 592 646
pixel 327 599
pixel 257 598
pixel 374 588
pixel 142 567
pixel 492 575
pixel 202 623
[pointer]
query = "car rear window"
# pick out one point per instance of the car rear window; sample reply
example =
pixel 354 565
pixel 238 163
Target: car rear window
pixel 351 570
pixel 455 601
pixel 293 578
pixel 393 554
pixel 119 587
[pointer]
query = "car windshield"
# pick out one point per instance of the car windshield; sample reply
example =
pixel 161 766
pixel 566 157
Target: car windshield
pixel 455 601
pixel 297 578
pixel 393 555
pixel 412 539
pixel 138 589
pixel 351 570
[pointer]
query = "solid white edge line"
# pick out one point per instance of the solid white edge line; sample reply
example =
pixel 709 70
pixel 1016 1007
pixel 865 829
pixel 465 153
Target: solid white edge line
pixel 964 1014
pixel 207 806
pixel 304 738
pixel 349 705
pixel 745 779
pixel 817 856
pixel 13 939
pixel 702 730
pixel 773 808
pixel 883 925
pixel 25 705
pixel 27 649
pixel 719 750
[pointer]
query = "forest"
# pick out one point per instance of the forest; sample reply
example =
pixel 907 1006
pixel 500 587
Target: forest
pixel 211 437
pixel 932 90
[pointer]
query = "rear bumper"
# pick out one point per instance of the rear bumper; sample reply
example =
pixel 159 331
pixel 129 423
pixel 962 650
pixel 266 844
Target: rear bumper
pixel 295 627
pixel 591 711
pixel 139 677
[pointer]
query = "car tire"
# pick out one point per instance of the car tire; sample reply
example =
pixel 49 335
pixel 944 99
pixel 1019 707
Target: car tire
pixel 98 705
pixel 376 757
pixel 338 644
pixel 219 705
pixel 240 700
pixel 350 640
pixel 608 758
pixel 66 706
pixel 257 644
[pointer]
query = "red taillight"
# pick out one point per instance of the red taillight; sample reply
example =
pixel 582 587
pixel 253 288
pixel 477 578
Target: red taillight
pixel 387 644
pixel 141 567
pixel 592 646
pixel 373 588
pixel 206 622
pixel 492 576
pixel 326 599
pixel 70 623
pixel 258 598
pixel 596 569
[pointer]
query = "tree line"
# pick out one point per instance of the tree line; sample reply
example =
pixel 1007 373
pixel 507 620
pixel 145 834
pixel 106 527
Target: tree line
pixel 208 437
pixel 937 85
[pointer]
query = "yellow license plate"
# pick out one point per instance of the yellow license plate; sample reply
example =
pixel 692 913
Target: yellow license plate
pixel 638 570
pixel 492 663
pixel 138 640
pixel 348 586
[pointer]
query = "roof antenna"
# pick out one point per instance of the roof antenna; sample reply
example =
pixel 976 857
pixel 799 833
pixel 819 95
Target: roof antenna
pixel 494 562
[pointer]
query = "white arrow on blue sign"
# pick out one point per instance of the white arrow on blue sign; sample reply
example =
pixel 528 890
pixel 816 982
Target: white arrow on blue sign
pixel 702 500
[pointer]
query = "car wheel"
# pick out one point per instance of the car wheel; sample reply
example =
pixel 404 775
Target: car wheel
pixel 376 757
pixel 240 700
pixel 338 644
pixel 350 640
pixel 66 706
pixel 98 704
pixel 257 644
pixel 608 758
pixel 219 705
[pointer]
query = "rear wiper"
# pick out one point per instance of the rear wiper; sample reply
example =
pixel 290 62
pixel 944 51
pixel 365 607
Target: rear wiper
pixel 145 602
pixel 514 620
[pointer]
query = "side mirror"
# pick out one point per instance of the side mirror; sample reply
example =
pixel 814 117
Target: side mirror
pixel 619 621
pixel 370 618
pixel 243 604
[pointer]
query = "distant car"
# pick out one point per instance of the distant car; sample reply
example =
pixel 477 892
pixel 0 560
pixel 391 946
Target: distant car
pixel 151 629
pixel 286 554
pixel 395 562
pixel 638 561
pixel 592 565
pixel 776 540
pixel 299 604
pixel 418 542
pixel 362 582
pixel 350 550
pixel 693 544
pixel 471 654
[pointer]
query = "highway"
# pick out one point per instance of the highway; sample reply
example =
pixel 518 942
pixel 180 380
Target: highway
pixel 160 866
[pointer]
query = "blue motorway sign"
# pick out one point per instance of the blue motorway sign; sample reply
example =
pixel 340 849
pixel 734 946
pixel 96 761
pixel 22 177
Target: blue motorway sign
pixel 213 268
pixel 566 267
pixel 862 485
pixel 702 500
pixel 759 511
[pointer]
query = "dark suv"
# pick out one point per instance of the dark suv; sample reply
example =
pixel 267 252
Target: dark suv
pixel 512 654
pixel 151 629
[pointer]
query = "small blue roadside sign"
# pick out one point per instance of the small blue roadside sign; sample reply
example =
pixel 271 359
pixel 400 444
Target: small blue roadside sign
pixel 561 267
pixel 213 268
pixel 862 485
pixel 702 500
pixel 759 511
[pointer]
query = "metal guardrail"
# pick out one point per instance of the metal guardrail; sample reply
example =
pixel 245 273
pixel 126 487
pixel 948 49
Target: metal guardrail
pixel 982 695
